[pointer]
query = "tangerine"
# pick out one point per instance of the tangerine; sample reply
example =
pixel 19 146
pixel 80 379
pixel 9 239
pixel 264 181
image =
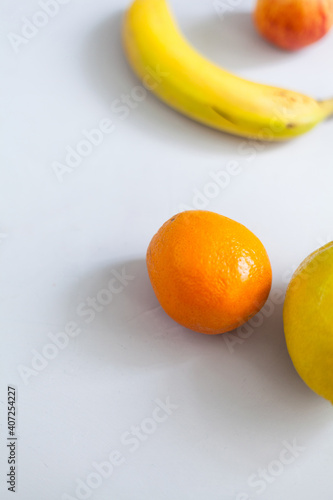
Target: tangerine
pixel 210 273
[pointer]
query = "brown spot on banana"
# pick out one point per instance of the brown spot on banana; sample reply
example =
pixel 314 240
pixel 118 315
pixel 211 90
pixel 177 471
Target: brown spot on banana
pixel 224 115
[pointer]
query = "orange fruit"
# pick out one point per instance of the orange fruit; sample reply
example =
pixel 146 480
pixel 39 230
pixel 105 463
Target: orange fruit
pixel 293 24
pixel 209 273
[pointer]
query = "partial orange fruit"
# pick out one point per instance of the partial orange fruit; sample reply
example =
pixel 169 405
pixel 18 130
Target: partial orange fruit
pixel 209 273
pixel 293 24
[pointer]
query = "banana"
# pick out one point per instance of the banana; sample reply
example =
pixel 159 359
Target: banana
pixel 189 83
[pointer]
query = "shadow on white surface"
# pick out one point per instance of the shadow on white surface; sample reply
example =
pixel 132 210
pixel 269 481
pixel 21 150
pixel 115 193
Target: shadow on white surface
pixel 104 61
pixel 133 329
pixel 234 42
pixel 255 376
pixel 105 65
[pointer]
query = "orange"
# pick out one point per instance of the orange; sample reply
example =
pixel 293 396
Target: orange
pixel 209 273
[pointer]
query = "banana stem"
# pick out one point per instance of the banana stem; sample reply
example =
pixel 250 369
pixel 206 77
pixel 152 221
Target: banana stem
pixel 327 107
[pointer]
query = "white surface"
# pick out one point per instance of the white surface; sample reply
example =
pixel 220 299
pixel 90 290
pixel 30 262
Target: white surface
pixel 235 409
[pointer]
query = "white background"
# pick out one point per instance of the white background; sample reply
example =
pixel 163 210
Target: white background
pixel 60 242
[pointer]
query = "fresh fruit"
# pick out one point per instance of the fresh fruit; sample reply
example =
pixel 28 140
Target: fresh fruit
pixel 293 24
pixel 176 73
pixel 308 321
pixel 209 273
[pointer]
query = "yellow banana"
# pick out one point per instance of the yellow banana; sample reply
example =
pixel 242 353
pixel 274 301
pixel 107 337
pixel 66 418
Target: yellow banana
pixel 185 80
